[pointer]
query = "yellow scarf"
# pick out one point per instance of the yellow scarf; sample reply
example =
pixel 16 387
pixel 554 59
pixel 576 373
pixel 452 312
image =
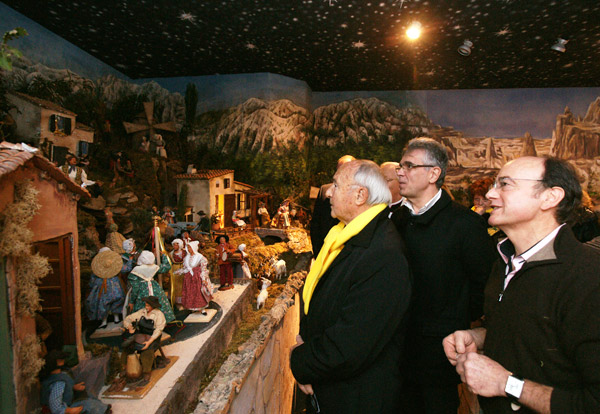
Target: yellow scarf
pixel 333 245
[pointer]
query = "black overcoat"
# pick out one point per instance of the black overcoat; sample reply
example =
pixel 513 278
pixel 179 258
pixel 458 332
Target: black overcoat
pixel 354 329
pixel 450 255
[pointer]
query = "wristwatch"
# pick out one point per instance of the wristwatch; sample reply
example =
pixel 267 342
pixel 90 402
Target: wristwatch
pixel 514 388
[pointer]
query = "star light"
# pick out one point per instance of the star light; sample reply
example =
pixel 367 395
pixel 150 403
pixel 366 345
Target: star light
pixel 358 45
pixel 187 17
pixel 503 32
pixel 250 46
pixel 331 2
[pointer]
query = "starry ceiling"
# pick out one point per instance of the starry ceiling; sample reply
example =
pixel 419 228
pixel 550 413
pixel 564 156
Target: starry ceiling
pixel 338 45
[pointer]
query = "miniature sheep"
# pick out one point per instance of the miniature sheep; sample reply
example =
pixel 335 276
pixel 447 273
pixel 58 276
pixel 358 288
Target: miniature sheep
pixel 262 296
pixel 278 267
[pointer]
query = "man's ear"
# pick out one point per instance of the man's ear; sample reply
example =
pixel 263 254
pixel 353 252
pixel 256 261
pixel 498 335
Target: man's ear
pixel 552 197
pixel 362 195
pixel 434 174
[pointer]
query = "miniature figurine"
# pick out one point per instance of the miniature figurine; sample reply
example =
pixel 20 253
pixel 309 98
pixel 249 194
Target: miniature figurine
pixel 238 222
pixel 197 288
pixel 106 293
pixel 177 255
pixel 282 218
pixel 128 258
pixel 61 394
pixel 145 144
pixel 145 328
pixel 204 222
pixel 185 236
pixel 168 215
pixel 114 239
pixel 245 260
pixel 75 173
pixel 265 219
pixel 160 146
pixel 142 284
pixel 225 267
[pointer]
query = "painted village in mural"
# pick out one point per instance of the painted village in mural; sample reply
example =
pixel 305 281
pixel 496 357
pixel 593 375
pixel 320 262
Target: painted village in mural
pixel 159 176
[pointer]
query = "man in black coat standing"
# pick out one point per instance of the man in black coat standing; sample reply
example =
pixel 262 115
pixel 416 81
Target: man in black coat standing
pixel 347 356
pixel 450 256
pixel 322 219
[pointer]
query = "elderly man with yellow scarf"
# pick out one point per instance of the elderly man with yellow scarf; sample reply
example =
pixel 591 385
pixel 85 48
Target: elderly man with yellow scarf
pixel 356 295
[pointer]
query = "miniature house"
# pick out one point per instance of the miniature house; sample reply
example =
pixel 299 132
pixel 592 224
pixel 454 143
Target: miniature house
pixel 54 235
pixel 49 126
pixel 216 193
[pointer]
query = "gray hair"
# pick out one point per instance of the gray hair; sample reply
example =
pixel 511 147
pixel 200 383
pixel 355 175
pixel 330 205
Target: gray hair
pixel 435 154
pixel 368 175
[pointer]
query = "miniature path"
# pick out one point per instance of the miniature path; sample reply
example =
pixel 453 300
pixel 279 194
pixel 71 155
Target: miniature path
pixel 186 351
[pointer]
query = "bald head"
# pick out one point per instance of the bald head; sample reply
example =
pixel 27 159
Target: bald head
pixel 388 170
pixel 344 159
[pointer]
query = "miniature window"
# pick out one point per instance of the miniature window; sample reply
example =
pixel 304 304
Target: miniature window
pixel 240 201
pixel 84 148
pixel 217 183
pixel 59 125
pixel 226 183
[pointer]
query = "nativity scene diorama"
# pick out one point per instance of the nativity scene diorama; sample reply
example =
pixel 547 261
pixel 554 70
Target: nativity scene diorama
pixel 137 235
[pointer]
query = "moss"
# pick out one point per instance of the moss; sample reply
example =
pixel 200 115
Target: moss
pixel 31 363
pixel 14 234
pixel 30 271
pixel 15 241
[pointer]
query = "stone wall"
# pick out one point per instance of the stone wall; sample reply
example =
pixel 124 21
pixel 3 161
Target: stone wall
pixel 257 379
pixel 184 391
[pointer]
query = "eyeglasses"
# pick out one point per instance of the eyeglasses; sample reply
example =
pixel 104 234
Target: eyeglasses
pixel 507 182
pixel 408 166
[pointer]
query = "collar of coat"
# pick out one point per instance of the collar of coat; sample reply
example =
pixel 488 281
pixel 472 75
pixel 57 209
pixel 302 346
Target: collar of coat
pixel 561 249
pixel 430 214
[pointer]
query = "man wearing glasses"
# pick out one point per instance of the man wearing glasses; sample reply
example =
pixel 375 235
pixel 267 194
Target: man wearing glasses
pixel 541 340
pixel 450 255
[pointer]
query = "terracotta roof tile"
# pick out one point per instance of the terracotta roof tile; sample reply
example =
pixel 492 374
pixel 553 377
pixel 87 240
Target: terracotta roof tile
pixel 204 174
pixel 12 158
pixel 43 103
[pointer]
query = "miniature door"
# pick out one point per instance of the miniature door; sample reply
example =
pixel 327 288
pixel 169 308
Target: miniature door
pixel 56 290
pixel 229 207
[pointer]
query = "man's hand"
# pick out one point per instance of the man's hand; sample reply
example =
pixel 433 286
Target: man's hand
pixel 146 344
pixel 483 375
pixel 80 386
pixel 457 344
pixel 305 388
pixel 131 330
pixel 74 410
pixel 299 342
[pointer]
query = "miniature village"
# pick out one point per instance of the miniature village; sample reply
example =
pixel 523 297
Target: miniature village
pixel 158 250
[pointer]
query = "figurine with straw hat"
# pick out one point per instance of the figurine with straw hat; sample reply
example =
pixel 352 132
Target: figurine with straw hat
pixel 106 292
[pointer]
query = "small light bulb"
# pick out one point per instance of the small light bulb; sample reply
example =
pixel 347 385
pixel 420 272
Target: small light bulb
pixel 414 31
